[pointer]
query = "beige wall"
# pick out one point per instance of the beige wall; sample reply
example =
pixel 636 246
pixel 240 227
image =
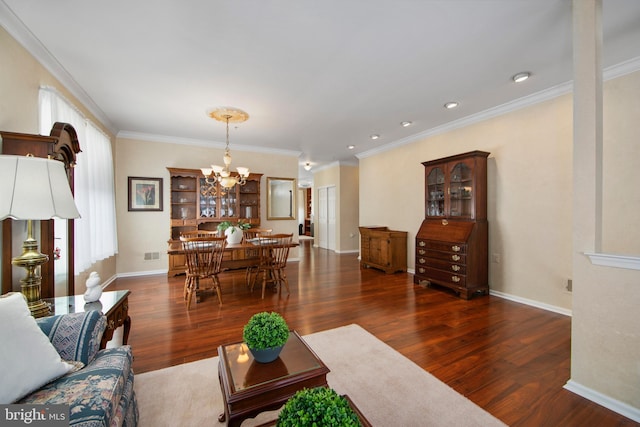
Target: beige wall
pixel 621 148
pixel 529 195
pixel 345 179
pixel 20 79
pixel 140 232
pixel 530 207
pixel 348 209
pixel 531 221
pixel 605 334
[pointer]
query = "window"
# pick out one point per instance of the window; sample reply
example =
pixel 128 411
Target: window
pixel 95 230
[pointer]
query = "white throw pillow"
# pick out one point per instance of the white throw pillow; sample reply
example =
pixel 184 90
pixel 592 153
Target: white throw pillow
pixel 28 360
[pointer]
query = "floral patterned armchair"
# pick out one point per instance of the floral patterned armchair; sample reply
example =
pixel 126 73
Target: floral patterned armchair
pixel 100 391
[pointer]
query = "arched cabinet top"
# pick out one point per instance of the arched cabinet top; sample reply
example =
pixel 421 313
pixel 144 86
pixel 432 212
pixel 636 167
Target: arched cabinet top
pixel 67 145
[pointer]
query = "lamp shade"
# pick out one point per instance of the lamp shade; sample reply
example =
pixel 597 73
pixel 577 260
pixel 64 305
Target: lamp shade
pixel 34 188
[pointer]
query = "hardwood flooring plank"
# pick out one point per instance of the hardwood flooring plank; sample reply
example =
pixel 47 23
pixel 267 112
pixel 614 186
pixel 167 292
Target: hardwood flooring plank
pixel 510 359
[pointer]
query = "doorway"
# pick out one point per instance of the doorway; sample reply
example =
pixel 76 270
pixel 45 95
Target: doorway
pixel 326 224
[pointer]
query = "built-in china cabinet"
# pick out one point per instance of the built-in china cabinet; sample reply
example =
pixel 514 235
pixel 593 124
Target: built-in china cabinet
pixel 452 243
pixel 198 205
pixel 55 236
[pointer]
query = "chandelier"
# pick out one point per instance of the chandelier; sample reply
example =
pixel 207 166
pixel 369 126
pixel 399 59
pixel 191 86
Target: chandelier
pixel 222 174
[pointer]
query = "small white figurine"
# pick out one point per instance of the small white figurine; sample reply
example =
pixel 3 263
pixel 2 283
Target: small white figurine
pixel 94 290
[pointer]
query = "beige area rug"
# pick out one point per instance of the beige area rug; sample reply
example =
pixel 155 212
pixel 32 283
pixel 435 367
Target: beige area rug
pixel 387 387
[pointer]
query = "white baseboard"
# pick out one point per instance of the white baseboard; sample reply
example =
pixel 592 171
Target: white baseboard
pixel 109 281
pixel 142 273
pixel 521 300
pixel 532 303
pixel 621 408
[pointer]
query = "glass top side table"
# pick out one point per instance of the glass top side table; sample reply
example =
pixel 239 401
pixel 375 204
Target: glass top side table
pixel 113 304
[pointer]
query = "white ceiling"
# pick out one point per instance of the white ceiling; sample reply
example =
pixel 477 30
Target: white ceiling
pixel 314 76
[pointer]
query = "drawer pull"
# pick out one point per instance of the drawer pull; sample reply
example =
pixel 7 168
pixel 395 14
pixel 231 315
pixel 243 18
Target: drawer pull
pixel 421 270
pixel 422 251
pixel 445 222
pixel 421 243
pixel 455 279
pixel 455 257
pixel 421 260
pixel 455 248
pixel 455 267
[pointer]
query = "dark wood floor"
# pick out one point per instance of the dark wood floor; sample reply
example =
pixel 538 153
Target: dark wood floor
pixel 510 359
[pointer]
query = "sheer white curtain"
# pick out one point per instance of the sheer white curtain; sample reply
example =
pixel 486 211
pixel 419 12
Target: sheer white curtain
pixel 95 230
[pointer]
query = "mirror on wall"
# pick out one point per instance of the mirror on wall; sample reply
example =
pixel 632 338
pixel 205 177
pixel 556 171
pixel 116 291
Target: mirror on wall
pixel 281 198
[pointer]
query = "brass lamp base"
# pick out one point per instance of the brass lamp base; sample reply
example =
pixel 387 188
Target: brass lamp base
pixel 39 309
pixel 31 260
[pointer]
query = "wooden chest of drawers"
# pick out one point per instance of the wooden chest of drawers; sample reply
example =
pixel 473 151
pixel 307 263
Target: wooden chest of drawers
pixel 383 249
pixel 453 254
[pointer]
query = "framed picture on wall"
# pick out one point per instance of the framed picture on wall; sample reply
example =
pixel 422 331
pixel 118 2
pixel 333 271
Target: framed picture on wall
pixel 145 194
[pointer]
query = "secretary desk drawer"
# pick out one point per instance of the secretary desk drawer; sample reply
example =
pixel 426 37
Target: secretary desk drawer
pixel 436 275
pixel 442 246
pixel 458 258
pixel 441 265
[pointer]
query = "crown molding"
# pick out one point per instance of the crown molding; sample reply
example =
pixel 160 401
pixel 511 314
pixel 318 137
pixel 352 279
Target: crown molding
pixel 627 67
pixel 609 73
pixel 335 164
pixel 141 136
pixel 16 28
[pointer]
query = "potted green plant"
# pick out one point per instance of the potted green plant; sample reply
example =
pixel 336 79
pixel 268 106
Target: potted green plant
pixel 265 334
pixel 320 406
pixel 233 230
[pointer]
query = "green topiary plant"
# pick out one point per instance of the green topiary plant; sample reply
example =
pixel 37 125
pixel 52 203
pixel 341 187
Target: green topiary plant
pixel 265 330
pixel 320 406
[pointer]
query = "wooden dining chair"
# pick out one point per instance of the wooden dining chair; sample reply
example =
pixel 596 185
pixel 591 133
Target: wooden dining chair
pixel 204 261
pixel 249 235
pixel 194 233
pixel 199 233
pixel 274 251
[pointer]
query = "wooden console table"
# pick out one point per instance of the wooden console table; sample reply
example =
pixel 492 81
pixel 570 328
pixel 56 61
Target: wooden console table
pixel 113 304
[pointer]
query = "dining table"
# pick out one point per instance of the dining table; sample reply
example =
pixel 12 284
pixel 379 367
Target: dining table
pixel 236 256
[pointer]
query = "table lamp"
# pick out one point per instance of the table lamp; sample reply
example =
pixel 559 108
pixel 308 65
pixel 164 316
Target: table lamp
pixel 33 188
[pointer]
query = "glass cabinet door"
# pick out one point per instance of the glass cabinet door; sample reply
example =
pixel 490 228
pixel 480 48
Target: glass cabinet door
pixel 183 198
pixel 435 192
pixel 249 196
pixel 208 199
pixel 461 191
pixel 228 203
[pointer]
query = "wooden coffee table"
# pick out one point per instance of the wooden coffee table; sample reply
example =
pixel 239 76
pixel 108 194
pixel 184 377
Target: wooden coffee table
pixel 249 387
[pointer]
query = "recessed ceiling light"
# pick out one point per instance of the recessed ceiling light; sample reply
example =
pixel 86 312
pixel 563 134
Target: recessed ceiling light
pixel 406 123
pixel 374 136
pixel 520 77
pixel 351 147
pixel 450 105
